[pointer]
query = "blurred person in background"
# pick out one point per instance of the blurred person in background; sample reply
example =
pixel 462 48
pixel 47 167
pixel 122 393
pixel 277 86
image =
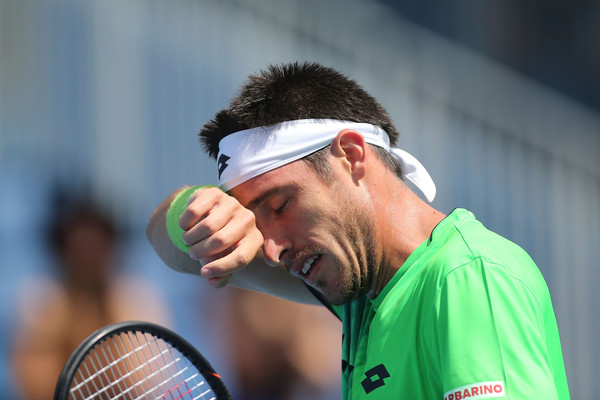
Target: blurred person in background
pixel 280 350
pixel 88 291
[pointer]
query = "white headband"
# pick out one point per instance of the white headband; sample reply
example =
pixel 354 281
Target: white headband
pixel 251 152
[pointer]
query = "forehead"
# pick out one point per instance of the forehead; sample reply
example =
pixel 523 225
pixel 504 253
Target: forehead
pixel 286 178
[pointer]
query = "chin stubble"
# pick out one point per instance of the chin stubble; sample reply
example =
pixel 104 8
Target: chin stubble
pixel 358 233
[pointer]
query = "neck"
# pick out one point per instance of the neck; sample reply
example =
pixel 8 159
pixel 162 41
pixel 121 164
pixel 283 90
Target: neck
pixel 403 222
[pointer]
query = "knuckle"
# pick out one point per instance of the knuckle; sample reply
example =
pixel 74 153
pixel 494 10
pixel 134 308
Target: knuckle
pixel 189 217
pixel 220 239
pixel 208 226
pixel 195 253
pixel 248 218
pixel 201 192
pixel 213 190
pixel 216 270
pixel 214 195
pixel 243 258
pixel 194 209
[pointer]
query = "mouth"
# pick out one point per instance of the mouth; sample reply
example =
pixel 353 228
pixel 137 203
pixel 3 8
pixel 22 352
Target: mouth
pixel 307 269
pixel 307 266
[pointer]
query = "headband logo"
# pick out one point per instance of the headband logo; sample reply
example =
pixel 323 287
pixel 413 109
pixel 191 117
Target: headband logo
pixel 222 163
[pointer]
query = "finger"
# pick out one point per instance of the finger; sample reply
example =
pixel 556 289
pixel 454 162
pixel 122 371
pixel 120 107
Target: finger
pixel 219 282
pixel 214 220
pixel 236 259
pixel 199 205
pixel 229 235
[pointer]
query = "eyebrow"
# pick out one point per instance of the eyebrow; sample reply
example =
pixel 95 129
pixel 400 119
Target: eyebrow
pixel 253 204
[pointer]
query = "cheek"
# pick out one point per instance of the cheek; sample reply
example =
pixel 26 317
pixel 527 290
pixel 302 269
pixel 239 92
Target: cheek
pixel 312 223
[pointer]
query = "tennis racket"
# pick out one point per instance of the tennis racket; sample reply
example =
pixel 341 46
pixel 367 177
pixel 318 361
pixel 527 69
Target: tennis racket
pixel 141 361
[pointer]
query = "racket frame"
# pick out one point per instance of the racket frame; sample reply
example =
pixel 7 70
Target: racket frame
pixel 68 372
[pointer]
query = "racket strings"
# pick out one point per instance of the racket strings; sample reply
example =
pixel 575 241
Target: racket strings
pixel 138 366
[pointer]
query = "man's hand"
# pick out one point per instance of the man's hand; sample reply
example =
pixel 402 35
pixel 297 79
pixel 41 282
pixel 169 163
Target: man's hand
pixel 221 233
pixel 223 239
pixel 222 236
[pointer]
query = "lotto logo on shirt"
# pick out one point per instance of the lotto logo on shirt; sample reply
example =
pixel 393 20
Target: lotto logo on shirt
pixel 482 390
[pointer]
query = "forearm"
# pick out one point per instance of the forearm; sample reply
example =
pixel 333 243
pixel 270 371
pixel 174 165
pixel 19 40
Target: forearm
pixel 276 281
pixel 257 275
pixel 157 234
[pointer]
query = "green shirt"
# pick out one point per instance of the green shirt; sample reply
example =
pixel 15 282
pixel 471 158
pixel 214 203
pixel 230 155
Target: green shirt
pixel 468 316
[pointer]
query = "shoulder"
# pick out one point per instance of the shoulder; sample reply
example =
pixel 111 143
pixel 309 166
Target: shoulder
pixel 41 308
pixel 38 295
pixel 460 240
pixel 463 244
pixel 133 297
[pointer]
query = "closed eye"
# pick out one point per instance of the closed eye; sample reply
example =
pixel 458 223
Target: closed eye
pixel 282 208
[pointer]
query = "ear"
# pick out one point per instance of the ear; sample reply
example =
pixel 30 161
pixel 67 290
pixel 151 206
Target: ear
pixel 350 145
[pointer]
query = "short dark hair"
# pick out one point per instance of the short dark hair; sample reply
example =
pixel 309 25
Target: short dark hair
pixel 66 219
pixel 294 91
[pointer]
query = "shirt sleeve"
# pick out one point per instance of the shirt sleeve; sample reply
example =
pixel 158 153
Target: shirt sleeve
pixel 487 336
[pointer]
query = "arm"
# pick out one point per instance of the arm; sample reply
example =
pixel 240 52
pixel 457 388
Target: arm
pixel 224 246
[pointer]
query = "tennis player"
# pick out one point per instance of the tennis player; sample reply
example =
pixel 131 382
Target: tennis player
pixel 433 306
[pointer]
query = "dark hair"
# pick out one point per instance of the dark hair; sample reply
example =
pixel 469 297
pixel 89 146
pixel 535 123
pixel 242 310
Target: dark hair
pixel 298 91
pixel 69 217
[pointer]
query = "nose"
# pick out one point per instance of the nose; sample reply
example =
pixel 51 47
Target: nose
pixel 274 250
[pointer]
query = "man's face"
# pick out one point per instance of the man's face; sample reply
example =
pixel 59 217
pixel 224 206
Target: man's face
pixel 322 232
pixel 87 254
